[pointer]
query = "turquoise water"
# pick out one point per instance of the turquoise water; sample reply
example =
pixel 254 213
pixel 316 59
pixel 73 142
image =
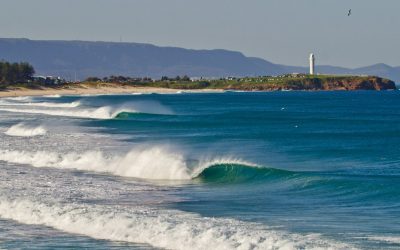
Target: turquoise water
pixel 293 170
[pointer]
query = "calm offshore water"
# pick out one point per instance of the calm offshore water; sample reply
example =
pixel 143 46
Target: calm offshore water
pixel 293 170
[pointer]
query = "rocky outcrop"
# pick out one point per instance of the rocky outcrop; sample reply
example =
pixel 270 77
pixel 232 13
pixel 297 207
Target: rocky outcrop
pixel 362 83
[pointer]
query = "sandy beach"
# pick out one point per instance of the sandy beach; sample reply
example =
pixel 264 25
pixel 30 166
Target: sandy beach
pixel 97 90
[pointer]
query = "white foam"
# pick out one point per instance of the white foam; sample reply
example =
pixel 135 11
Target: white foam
pixel 389 239
pixel 156 163
pixel 169 229
pixel 52 96
pixel 17 98
pixel 56 105
pixel 24 130
pixel 43 104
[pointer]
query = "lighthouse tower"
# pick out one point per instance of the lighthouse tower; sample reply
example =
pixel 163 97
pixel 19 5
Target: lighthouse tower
pixel 312 64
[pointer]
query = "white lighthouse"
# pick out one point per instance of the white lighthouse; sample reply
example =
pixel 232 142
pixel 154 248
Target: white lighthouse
pixel 312 64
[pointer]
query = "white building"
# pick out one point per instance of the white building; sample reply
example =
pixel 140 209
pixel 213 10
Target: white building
pixel 312 64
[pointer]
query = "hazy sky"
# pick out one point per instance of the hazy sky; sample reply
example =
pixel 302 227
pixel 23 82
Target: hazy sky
pixel 281 31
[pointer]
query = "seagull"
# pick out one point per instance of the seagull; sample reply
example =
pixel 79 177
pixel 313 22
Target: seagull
pixel 349 14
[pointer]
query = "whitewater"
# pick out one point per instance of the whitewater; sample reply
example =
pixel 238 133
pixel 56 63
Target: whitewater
pixel 23 130
pixel 201 171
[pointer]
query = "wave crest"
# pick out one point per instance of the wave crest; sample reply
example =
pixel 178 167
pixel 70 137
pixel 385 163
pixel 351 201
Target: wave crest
pixel 235 172
pixel 24 130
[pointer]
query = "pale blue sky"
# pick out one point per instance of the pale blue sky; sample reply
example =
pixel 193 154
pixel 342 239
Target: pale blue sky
pixel 281 31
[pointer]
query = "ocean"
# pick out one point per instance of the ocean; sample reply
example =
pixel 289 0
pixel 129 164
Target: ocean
pixel 232 170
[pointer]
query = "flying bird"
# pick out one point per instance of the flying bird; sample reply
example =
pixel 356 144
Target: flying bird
pixel 349 14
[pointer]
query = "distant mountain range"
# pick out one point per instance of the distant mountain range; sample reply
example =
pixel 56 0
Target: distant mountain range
pixel 82 59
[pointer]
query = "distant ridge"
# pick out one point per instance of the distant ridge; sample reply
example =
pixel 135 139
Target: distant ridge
pixel 81 59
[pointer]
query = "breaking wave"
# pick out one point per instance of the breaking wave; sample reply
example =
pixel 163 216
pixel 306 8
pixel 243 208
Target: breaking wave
pixel 169 229
pixel 161 164
pixel 24 130
pixel 155 163
pixel 99 113
pixel 74 110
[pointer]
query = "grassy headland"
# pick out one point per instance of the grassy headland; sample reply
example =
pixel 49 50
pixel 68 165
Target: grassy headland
pixel 30 85
pixel 20 76
pixel 268 83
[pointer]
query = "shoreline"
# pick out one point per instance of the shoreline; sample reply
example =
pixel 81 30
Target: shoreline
pixel 82 90
pixel 109 89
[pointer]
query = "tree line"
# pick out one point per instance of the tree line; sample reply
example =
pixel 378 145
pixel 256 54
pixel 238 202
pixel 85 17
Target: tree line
pixel 11 73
